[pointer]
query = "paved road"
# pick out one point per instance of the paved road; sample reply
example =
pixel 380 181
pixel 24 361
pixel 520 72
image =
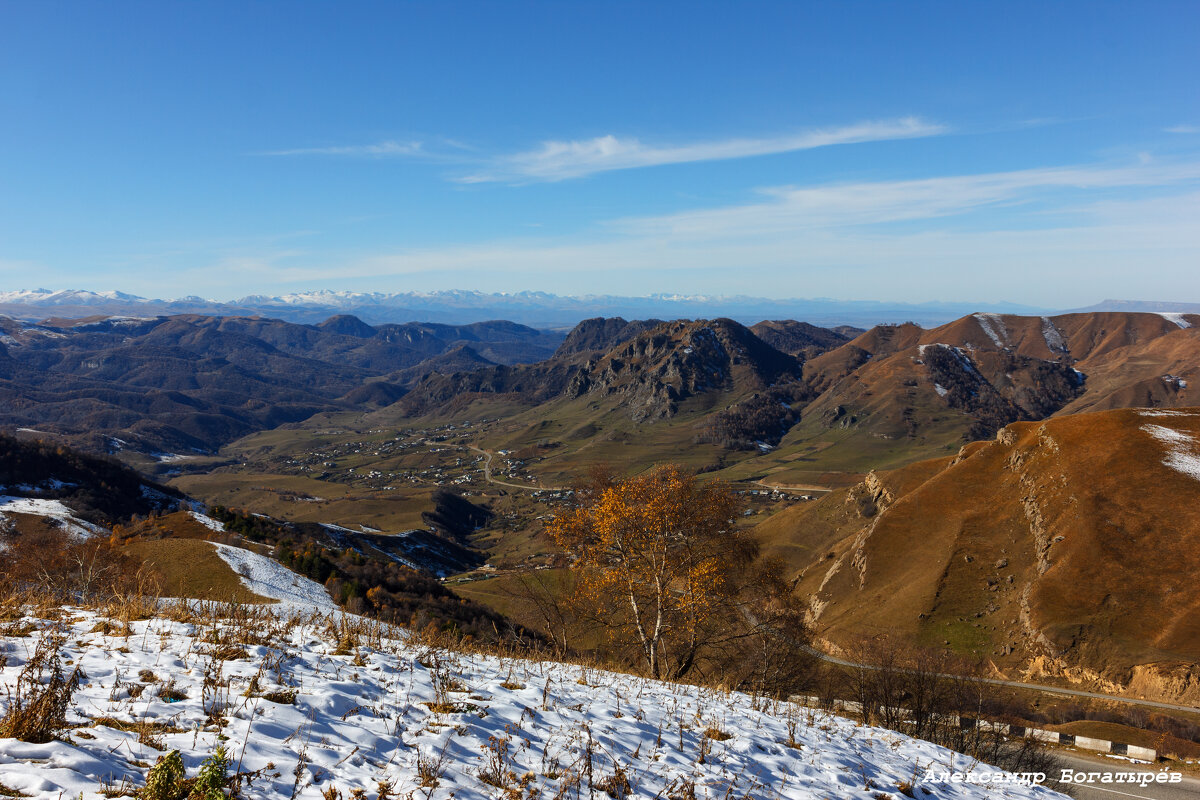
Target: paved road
pixel 1188 789
pixel 1037 687
pixel 487 474
pixel 780 486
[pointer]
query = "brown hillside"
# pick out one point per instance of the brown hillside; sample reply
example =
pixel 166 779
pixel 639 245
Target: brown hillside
pixel 968 378
pixel 1066 547
pixel 1079 336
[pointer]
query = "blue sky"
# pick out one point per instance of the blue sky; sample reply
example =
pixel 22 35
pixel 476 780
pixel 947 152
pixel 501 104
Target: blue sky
pixel 1040 153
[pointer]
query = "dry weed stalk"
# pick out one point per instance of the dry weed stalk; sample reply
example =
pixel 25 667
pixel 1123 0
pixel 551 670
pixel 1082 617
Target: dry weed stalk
pixel 37 710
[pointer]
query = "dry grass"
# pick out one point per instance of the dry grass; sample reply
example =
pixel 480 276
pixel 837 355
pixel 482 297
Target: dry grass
pixel 37 711
pixel 192 568
pixel 716 734
pixel 6 791
pixel 949 558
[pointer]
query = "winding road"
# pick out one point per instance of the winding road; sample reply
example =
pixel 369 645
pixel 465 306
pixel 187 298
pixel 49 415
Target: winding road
pixel 487 474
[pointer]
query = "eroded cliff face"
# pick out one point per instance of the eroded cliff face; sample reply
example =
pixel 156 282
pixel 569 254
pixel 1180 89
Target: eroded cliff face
pixel 1178 683
pixel 1062 550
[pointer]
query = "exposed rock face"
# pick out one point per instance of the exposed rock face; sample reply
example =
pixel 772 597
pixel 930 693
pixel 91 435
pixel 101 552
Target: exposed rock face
pixel 1177 683
pixel 648 375
pixel 1000 388
pixel 677 360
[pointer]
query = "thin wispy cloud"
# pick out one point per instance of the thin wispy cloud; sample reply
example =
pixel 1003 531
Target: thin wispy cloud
pixel 875 202
pixel 557 160
pixel 377 150
pixel 1183 129
pixel 828 239
pixel 1131 225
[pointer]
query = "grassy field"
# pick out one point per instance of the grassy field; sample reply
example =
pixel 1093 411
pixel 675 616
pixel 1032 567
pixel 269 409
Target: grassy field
pixel 814 454
pixel 192 568
pixel 281 496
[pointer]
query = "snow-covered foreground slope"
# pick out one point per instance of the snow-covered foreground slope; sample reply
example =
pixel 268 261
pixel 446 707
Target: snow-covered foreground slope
pixel 306 703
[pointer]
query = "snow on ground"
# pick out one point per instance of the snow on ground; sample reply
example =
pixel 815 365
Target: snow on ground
pixel 170 458
pixel 1053 336
pixel 439 725
pixel 53 509
pixel 268 578
pixel 961 357
pixel 1175 317
pixel 207 521
pixel 1183 451
pixel 993 326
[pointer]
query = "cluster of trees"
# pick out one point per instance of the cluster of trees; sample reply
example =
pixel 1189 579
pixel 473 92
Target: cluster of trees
pixel 658 576
pixel 50 563
pixel 101 489
pixel 380 588
pixel 763 417
pixel 936 696
pixel 1051 385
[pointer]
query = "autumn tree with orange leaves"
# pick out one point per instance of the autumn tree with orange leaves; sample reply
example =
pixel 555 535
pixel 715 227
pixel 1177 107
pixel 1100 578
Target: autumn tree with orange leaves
pixel 660 561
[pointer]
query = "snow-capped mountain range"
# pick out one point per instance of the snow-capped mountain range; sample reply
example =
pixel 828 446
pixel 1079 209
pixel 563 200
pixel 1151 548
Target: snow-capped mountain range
pixel 539 309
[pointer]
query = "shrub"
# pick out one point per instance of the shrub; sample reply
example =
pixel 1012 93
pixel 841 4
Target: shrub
pixel 213 778
pixel 164 781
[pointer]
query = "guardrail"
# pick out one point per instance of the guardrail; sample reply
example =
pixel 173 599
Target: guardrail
pixel 1018 731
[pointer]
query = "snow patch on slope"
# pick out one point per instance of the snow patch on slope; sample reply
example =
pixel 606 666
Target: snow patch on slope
pixel 993 326
pixel 207 521
pixel 55 510
pixel 363 717
pixel 1053 336
pixel 1176 317
pixel 1183 451
pixel 269 578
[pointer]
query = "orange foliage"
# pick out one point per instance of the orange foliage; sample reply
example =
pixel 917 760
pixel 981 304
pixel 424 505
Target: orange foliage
pixel 656 554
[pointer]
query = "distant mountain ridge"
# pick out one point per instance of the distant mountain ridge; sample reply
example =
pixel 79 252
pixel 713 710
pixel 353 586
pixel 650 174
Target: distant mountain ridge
pixel 1149 306
pixel 189 383
pixel 646 368
pixel 538 309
